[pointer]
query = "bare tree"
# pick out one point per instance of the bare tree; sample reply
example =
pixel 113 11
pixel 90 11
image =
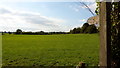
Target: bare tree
pixel 87 8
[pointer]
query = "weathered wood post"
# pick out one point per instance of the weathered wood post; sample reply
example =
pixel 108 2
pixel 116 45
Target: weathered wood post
pixel 105 37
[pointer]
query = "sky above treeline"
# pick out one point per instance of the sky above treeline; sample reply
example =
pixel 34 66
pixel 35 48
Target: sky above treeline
pixel 43 16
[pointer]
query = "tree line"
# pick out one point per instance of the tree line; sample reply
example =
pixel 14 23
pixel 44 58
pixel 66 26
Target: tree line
pixel 20 32
pixel 86 28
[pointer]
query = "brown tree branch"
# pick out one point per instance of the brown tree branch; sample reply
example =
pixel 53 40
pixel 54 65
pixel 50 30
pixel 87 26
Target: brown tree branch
pixel 87 7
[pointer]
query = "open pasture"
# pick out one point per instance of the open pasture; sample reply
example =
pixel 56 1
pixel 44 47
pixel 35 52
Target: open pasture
pixel 50 50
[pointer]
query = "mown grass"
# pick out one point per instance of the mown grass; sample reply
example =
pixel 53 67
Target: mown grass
pixel 50 50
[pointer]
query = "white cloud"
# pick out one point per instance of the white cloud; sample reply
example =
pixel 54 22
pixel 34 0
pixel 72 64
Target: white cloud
pixel 2 1
pixel 91 6
pixel 10 20
pixel 77 7
pixel 48 0
pixel 82 20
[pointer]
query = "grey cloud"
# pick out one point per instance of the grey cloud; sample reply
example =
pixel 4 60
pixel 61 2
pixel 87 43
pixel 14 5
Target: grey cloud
pixel 37 19
pixel 29 19
pixel 3 11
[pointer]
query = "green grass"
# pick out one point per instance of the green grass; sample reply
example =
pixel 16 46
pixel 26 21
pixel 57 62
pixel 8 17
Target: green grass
pixel 50 50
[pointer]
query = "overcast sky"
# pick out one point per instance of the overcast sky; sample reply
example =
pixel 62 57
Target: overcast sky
pixel 43 16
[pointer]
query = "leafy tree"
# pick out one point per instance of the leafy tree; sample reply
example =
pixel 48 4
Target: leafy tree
pixel 9 32
pixel 18 31
pixel 5 32
pixel 42 32
pixel 74 31
pixel 2 33
pixel 115 33
pixel 78 30
pixel 84 27
pixel 97 8
pixel 71 31
pixel 91 29
pixel 29 33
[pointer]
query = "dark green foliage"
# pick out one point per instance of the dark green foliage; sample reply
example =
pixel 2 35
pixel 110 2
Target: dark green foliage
pixel 78 30
pixel 91 29
pixel 75 30
pixel 71 31
pixel 97 9
pixel 115 33
pixel 18 31
pixel 40 33
pixel 30 33
pixel 84 27
pixel 49 33
pixel 5 32
pixel 9 32
pixel 2 33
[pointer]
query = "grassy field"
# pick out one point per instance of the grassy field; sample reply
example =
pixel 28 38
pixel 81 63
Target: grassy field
pixel 50 50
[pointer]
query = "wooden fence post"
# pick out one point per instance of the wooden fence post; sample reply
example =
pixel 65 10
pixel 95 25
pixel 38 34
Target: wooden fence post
pixel 105 35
